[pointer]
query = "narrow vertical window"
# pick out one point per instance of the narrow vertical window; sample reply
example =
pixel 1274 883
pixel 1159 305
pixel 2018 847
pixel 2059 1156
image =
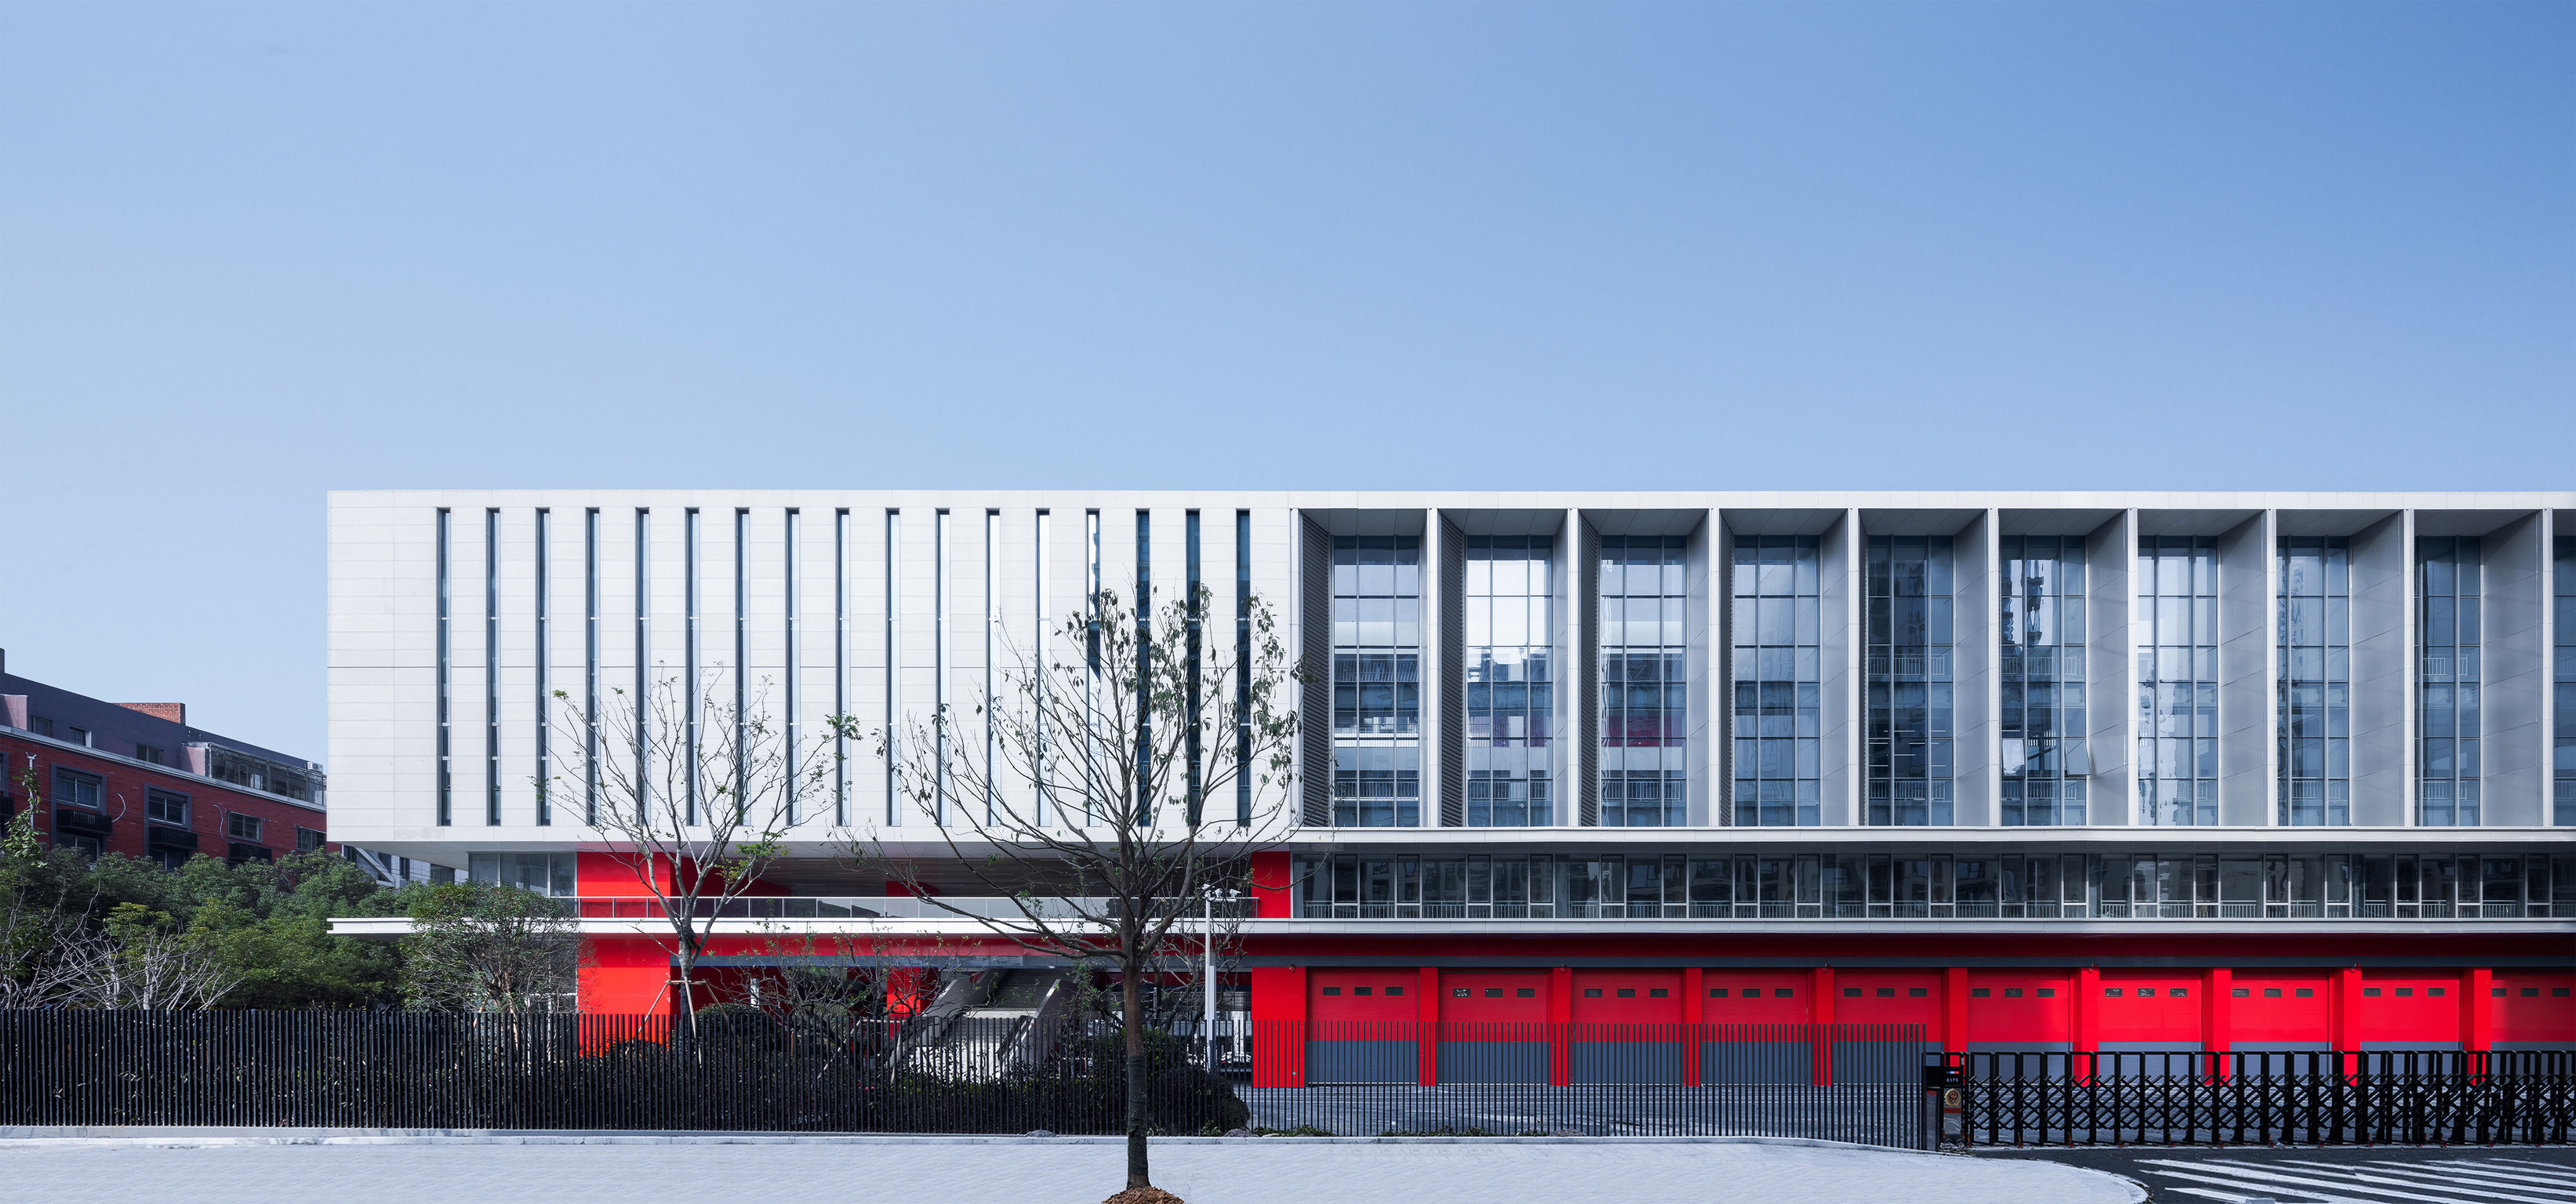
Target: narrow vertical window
pixel 545 680
pixel 1645 686
pixel 741 756
pixel 794 751
pixel 694 693
pixel 894 666
pixel 2176 630
pixel 1242 668
pixel 1377 681
pixel 1191 701
pixel 1093 792
pixel 2563 739
pixel 1909 680
pixel 939 596
pixel 1144 666
pixel 446 675
pixel 1042 769
pixel 1775 590
pixel 2313 646
pixel 992 651
pixel 2040 641
pixel 643 703
pixel 2448 593
pixel 590 665
pixel 1510 639
pixel 491 667
pixel 840 665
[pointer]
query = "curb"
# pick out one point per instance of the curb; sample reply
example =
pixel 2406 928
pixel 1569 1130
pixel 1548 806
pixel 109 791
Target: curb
pixel 24 1136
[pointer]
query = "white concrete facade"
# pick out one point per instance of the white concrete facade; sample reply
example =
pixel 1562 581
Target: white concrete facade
pixel 884 604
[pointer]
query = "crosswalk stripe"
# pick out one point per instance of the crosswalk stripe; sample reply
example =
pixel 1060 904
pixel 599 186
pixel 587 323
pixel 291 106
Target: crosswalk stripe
pixel 2440 1178
pixel 2228 1196
pixel 2361 1179
pixel 2480 1173
pixel 2276 1193
pixel 2254 1172
pixel 2547 1170
pixel 2555 1168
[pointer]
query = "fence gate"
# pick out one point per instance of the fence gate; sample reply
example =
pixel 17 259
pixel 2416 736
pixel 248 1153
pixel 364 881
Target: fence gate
pixel 2319 1097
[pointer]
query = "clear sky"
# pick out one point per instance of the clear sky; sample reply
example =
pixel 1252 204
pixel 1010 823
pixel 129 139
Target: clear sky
pixel 249 254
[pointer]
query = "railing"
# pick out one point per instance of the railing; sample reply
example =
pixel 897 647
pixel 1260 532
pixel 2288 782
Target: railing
pixel 2317 1097
pixel 881 907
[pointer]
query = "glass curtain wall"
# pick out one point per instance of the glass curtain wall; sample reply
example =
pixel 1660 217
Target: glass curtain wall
pixel 1377 680
pixel 2042 683
pixel 2176 630
pixel 2313 647
pixel 1774 593
pixel 1909 679
pixel 1645 703
pixel 1511 706
pixel 2447 580
pixel 2563 740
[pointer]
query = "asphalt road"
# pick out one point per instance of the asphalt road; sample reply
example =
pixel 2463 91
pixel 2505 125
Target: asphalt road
pixel 2335 1175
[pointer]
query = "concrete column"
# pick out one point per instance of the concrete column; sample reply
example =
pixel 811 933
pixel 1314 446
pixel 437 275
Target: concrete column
pixel 1703 659
pixel 1573 690
pixel 2550 526
pixel 1721 673
pixel 1841 687
pixel 2383 673
pixel 2248 693
pixel 1976 691
pixel 2111 669
pixel 2514 667
pixel 1442 675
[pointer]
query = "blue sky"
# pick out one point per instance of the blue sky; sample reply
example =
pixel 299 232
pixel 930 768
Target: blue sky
pixel 252 253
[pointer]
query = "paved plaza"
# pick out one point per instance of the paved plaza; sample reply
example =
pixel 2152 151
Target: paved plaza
pixel 1059 1171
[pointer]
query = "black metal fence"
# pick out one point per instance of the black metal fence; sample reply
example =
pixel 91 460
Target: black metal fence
pixel 749 1072
pixel 2378 1097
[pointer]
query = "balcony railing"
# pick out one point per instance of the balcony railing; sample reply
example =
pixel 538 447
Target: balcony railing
pixel 879 907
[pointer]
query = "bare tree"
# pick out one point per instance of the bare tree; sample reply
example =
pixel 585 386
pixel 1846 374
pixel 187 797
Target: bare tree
pixel 486 946
pixel 1080 792
pixel 137 964
pixel 694 792
pixel 34 926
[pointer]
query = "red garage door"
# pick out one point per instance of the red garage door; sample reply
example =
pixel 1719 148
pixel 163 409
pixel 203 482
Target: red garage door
pixel 2148 1010
pixel 2280 1009
pixel 2020 1010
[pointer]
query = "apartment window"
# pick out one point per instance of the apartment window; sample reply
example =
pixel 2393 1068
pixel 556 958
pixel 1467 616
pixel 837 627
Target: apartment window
pixel 76 788
pixel 242 827
pixel 1645 685
pixel 1909 672
pixel 1377 680
pixel 147 754
pixel 1510 637
pixel 2176 628
pixel 2041 647
pixel 2563 740
pixel 166 807
pixel 41 726
pixel 308 840
pixel 81 736
pixel 446 766
pixel 1774 635
pixel 2447 580
pixel 2313 647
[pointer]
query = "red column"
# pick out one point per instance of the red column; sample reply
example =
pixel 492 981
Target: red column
pixel 2087 1019
pixel 2216 1012
pixel 1820 1012
pixel 2477 1009
pixel 1426 1029
pixel 1271 882
pixel 1560 1026
pixel 2345 1016
pixel 1954 1009
pixel 1694 1016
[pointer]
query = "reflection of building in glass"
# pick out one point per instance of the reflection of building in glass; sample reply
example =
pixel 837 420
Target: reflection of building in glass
pixel 1377 680
pixel 2176 632
pixel 1645 683
pixel 1777 709
pixel 2446 709
pixel 1908 720
pixel 2313 643
pixel 2041 640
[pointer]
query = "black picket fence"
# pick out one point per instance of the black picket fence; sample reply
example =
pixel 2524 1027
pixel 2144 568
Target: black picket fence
pixel 560 1071
pixel 2376 1097
pixel 752 1073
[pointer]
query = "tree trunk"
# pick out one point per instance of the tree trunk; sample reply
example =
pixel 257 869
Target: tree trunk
pixel 1131 1006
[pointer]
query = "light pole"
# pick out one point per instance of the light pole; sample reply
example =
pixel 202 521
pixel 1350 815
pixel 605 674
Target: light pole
pixel 1207 973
